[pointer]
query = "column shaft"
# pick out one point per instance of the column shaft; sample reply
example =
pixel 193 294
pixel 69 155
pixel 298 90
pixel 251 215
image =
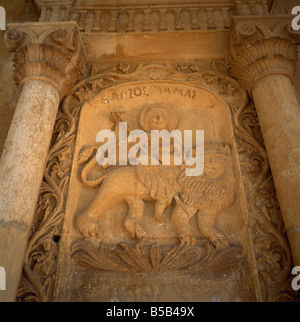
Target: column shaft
pixel 21 173
pixel 279 116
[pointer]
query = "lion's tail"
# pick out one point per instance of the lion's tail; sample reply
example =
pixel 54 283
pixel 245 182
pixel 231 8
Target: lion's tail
pixel 84 175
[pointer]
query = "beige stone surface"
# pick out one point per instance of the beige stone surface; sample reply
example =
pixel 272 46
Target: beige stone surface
pixel 26 148
pixel 279 116
pixel 126 208
pixel 269 80
pixel 127 236
pixel 155 46
pixel 122 48
pixel 45 71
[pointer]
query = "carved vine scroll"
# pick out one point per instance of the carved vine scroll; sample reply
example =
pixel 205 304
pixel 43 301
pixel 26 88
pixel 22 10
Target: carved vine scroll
pixel 273 256
pixel 41 256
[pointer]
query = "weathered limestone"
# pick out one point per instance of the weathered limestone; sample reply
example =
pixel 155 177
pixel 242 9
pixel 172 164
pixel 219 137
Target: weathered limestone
pixel 149 16
pixel 279 116
pixel 46 67
pixel 127 233
pixel 140 213
pixel 21 173
pixel 264 60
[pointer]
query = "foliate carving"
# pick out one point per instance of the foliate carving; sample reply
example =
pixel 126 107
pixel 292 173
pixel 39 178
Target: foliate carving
pixel 271 249
pixel 214 79
pixel 155 259
pixel 55 55
pixel 40 263
pixel 258 48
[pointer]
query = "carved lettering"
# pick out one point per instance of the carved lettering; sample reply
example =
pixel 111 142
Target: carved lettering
pixel 178 91
pixel 136 92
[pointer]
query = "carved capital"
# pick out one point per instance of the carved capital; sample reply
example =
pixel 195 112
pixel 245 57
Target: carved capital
pixel 261 47
pixel 49 52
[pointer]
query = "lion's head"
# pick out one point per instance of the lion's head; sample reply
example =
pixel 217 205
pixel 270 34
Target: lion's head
pixel 215 188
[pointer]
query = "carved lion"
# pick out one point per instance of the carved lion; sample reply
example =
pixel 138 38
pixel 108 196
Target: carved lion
pixel 207 196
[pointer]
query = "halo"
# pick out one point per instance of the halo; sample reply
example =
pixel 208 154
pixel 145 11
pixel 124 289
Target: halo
pixel 151 112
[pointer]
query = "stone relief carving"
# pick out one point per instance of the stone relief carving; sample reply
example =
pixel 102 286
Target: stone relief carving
pixel 205 197
pixel 208 194
pixel 164 187
pixel 270 250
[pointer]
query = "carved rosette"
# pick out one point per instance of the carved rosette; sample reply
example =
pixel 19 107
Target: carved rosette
pixel 259 49
pixel 51 55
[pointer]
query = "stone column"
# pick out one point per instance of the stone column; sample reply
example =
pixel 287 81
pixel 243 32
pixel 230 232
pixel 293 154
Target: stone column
pixel 263 58
pixel 48 61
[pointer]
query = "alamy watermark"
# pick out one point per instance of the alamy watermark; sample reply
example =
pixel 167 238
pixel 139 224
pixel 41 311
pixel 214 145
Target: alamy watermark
pixel 295 285
pixel 160 154
pixel 296 20
pixel 2 19
pixel 2 279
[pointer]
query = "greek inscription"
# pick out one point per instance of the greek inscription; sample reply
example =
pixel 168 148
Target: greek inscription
pixel 147 91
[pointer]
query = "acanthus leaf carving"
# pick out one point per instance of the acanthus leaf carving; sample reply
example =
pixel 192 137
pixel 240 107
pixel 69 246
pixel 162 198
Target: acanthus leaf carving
pixel 261 47
pixel 155 259
pixel 54 55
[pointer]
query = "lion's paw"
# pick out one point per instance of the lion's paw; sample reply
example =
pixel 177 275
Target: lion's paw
pixel 187 241
pixel 159 219
pixel 88 227
pixel 134 229
pixel 219 241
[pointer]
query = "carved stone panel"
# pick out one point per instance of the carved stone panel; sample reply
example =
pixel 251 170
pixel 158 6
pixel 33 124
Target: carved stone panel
pixel 127 227
pixel 128 232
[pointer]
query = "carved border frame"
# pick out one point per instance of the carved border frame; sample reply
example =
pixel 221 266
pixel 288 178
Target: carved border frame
pixel 271 255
